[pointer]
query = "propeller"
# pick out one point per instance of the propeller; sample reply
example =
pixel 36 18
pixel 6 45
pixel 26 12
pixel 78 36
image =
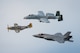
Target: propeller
pixel 8 28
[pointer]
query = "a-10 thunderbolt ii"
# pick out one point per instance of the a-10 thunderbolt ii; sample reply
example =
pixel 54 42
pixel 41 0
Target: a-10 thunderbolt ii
pixel 44 18
pixel 56 37
pixel 18 28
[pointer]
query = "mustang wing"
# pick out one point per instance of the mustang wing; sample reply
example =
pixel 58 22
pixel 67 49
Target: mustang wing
pixel 17 30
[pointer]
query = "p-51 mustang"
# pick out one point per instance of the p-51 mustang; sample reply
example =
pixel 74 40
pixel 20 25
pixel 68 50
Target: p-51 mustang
pixel 17 28
pixel 44 18
pixel 56 37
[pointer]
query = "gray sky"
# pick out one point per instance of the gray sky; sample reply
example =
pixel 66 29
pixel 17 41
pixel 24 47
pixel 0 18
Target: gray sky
pixel 13 11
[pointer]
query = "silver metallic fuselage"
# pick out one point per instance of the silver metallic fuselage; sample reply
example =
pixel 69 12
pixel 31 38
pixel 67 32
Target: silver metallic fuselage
pixel 38 17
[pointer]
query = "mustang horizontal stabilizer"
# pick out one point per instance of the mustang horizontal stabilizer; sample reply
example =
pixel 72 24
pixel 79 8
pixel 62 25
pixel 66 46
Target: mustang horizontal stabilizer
pixel 17 30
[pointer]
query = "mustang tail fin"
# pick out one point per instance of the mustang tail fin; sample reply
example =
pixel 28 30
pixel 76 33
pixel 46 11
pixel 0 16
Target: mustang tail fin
pixel 30 25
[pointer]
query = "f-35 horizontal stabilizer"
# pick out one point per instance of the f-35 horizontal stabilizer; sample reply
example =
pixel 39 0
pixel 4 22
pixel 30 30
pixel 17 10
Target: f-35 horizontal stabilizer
pixel 68 38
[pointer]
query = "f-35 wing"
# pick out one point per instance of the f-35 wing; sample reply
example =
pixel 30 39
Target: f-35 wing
pixel 60 40
pixel 58 34
pixel 58 37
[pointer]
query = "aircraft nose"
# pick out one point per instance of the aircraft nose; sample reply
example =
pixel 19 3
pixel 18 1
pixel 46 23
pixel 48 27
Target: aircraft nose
pixel 35 35
pixel 7 27
pixel 24 17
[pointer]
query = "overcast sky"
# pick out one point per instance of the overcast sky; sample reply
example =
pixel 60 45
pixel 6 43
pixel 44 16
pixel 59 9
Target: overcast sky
pixel 13 11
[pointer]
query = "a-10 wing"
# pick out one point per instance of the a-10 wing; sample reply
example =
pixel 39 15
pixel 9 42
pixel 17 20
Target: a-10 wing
pixel 45 20
pixel 41 13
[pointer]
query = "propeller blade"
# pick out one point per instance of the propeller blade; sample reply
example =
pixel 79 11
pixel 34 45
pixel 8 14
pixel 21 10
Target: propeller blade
pixel 8 28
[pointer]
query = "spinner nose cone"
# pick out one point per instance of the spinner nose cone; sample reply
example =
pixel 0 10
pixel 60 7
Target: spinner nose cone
pixel 7 27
